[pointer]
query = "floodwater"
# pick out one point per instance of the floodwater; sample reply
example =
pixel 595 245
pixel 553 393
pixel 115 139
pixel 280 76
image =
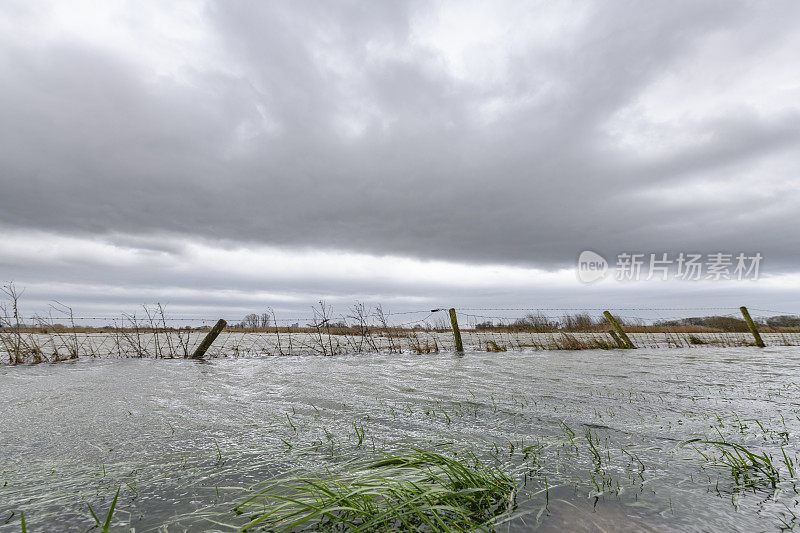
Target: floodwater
pixel 159 344
pixel 185 439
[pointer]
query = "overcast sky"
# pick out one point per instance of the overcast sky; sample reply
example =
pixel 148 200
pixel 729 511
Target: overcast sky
pixel 223 157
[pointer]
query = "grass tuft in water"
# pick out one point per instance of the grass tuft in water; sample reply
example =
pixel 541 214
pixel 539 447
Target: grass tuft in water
pixel 107 524
pixel 694 339
pixel 749 469
pixel 418 490
pixel 492 346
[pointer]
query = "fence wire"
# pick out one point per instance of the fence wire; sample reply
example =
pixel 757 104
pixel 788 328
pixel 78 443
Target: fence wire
pixel 61 335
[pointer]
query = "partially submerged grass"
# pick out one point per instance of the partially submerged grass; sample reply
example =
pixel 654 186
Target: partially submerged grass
pixel 417 490
pixel 492 346
pixel 107 524
pixel 750 469
pixel 421 348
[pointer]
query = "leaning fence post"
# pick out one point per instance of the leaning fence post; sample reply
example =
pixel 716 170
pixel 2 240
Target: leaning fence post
pixel 456 331
pixel 618 329
pixel 209 339
pixel 752 326
pixel 616 338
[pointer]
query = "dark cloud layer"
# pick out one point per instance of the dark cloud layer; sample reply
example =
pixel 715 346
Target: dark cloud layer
pixel 333 125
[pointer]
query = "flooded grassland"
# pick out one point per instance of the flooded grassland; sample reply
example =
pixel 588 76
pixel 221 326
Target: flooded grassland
pixel 694 438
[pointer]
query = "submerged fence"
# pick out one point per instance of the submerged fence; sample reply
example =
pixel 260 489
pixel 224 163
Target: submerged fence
pixel 359 330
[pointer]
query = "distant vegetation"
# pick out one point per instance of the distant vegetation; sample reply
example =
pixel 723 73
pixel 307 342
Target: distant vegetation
pixel 584 322
pixel 60 335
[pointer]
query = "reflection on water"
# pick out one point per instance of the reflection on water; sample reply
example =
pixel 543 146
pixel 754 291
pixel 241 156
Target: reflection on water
pixel 592 436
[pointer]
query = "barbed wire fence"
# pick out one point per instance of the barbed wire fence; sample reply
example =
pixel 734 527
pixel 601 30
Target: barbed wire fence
pixel 60 334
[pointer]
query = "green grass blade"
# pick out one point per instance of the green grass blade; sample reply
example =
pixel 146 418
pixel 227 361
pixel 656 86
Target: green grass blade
pixel 111 512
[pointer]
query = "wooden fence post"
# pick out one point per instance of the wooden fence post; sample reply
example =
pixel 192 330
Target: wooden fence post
pixel 209 339
pixel 456 331
pixel 752 326
pixel 616 338
pixel 626 341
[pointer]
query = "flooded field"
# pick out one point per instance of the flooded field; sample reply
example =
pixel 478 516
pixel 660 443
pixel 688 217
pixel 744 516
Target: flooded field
pixel 592 440
pixel 127 343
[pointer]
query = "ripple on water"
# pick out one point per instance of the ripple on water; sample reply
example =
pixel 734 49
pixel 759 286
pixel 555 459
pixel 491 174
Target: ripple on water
pixel 74 432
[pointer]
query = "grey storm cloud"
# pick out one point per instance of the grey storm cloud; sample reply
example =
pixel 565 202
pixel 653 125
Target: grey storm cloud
pixel 335 125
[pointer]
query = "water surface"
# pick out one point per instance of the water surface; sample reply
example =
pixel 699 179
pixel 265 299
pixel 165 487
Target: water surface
pixel 185 439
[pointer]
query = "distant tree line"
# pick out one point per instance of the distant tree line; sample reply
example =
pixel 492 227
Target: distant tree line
pixel 734 324
pixel 254 321
pixel 539 323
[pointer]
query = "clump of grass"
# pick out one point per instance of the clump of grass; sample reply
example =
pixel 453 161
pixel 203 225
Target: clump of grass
pixel 569 342
pixel 420 348
pixel 104 526
pixel 420 490
pixel 492 346
pixel 749 469
pixel 694 339
pixel 602 343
